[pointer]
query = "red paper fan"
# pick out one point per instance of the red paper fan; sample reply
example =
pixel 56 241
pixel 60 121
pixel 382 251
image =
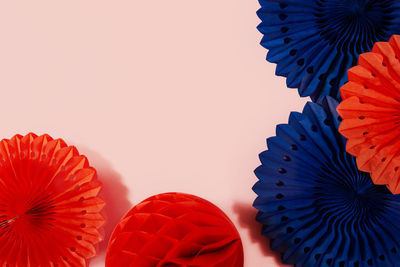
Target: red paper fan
pixel 371 113
pixel 175 229
pixel 49 208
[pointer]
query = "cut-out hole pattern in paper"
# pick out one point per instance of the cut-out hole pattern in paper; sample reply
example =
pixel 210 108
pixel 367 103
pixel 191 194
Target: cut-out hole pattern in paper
pixel 323 211
pixel 315 42
pixel 371 113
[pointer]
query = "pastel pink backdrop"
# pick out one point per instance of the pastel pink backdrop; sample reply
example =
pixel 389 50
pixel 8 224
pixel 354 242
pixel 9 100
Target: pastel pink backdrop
pixel 160 95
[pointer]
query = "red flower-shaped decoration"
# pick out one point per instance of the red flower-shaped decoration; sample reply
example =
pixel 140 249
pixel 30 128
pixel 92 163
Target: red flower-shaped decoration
pixel 371 113
pixel 175 229
pixel 49 208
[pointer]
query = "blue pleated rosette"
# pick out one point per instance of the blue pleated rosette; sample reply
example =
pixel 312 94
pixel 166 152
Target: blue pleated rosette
pixel 315 206
pixel 315 42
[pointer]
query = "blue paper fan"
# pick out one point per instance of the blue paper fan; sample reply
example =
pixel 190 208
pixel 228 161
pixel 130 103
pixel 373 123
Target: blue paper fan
pixel 316 207
pixel 315 42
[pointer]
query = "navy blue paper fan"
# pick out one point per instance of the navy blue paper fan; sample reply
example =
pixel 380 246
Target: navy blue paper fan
pixel 315 42
pixel 315 206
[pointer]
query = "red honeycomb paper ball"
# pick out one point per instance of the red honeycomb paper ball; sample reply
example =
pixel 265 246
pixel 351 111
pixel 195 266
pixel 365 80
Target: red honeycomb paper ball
pixel 175 229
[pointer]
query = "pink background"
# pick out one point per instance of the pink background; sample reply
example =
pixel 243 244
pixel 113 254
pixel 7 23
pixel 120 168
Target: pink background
pixel 160 95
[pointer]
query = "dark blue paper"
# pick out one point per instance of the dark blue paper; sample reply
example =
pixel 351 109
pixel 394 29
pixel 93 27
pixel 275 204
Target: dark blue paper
pixel 314 204
pixel 315 42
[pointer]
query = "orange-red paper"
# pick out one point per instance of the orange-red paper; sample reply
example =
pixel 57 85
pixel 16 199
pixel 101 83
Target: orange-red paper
pixel 175 229
pixel 49 204
pixel 371 113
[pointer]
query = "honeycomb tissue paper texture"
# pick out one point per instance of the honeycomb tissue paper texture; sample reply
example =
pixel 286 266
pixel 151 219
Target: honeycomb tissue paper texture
pixel 175 229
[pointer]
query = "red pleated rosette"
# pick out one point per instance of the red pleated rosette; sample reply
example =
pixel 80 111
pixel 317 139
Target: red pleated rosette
pixel 49 204
pixel 371 113
pixel 175 229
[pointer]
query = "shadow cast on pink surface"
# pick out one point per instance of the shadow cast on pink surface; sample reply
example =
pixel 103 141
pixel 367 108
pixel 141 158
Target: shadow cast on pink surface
pixel 247 219
pixel 114 193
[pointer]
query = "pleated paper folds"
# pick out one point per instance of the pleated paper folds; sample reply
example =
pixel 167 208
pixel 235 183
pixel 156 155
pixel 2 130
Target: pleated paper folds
pixel 371 113
pixel 315 42
pixel 49 204
pixel 315 206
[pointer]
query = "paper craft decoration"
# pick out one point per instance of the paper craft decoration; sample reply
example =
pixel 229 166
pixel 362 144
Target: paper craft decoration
pixel 316 207
pixel 315 42
pixel 49 204
pixel 371 113
pixel 175 229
